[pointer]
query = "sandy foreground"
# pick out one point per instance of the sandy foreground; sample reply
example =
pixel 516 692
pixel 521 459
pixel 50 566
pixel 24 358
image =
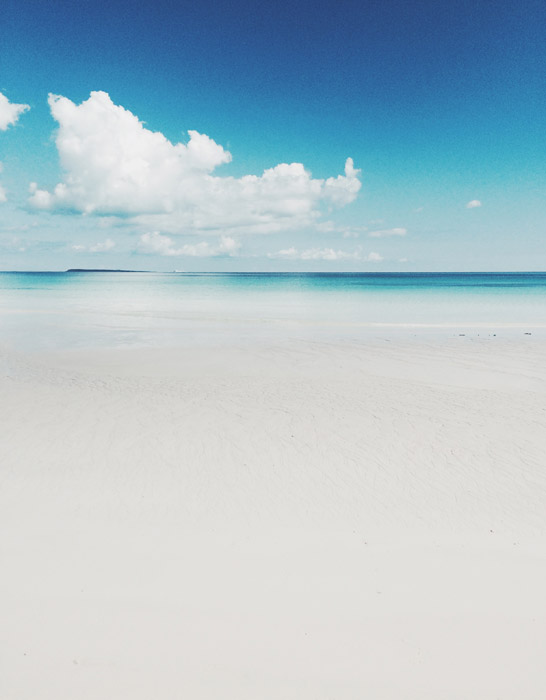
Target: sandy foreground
pixel 299 520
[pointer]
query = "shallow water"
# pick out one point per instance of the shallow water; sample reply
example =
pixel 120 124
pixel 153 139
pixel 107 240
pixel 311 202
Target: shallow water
pixel 54 310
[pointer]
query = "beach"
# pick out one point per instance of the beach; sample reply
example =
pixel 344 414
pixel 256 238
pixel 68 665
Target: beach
pixel 309 521
pixel 282 516
pixel 272 350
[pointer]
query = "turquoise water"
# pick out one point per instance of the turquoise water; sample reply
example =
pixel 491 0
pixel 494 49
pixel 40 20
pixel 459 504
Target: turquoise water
pixel 77 309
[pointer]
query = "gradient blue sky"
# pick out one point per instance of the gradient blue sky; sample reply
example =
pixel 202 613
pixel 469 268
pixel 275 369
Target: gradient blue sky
pixel 438 104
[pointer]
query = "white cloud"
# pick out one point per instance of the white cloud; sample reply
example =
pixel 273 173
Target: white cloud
pixel 101 247
pixel 9 112
pixel 351 234
pixel 343 230
pixel 39 198
pixel 159 244
pixel 385 233
pixel 353 231
pixel 108 244
pixel 473 204
pixel 13 244
pixel 312 254
pixel 326 226
pixel 324 254
pixel 3 196
pixel 115 166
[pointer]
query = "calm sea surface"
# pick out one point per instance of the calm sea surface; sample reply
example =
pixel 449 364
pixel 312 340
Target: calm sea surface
pixel 52 310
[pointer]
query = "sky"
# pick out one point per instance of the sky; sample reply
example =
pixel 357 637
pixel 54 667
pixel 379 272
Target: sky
pixel 363 136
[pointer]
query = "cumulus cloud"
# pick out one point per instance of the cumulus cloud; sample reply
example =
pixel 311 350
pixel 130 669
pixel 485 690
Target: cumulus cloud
pixel 157 243
pixel 101 247
pixel 386 232
pixel 9 112
pixel 473 204
pixel 324 254
pixel 114 165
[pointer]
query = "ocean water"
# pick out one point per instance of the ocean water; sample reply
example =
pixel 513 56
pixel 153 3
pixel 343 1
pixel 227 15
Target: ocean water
pixel 64 310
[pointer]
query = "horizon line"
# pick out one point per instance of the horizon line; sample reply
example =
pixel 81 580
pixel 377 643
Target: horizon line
pixel 279 272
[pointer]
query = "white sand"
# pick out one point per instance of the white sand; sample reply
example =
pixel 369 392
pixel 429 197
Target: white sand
pixel 301 521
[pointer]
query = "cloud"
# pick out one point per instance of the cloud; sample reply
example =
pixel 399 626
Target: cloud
pixel 108 244
pixel 326 226
pixel 18 244
pixel 353 231
pixel 9 112
pixel 13 244
pixel 114 165
pixel 3 195
pixel 473 204
pixel 102 247
pixel 156 243
pixel 343 230
pixel 312 254
pixel 385 233
pixel 324 254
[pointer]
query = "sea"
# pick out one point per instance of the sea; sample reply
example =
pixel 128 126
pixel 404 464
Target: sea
pixel 87 309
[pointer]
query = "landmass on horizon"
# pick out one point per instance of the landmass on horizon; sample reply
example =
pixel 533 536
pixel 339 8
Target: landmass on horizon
pixel 100 269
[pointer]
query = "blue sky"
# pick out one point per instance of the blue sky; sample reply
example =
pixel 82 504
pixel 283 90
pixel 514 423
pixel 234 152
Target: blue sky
pixel 438 104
